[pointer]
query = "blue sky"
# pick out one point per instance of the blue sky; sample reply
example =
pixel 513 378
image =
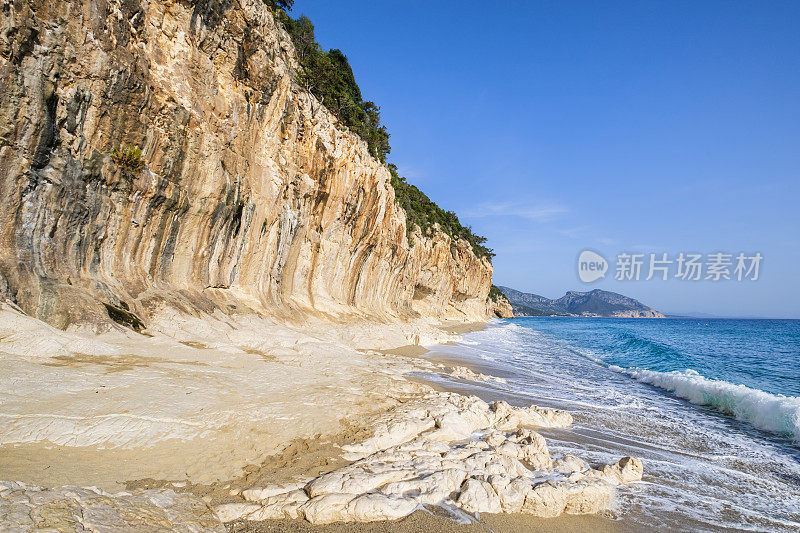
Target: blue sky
pixel 551 127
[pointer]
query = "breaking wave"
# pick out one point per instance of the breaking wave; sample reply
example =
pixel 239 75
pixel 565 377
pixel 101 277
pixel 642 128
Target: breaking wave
pixel 774 413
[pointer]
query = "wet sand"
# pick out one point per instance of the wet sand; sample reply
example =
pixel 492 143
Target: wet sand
pixel 461 328
pixel 434 520
pixel 323 456
pixel 255 400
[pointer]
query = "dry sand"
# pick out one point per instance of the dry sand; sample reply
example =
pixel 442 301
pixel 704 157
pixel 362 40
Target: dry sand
pixel 435 521
pixel 197 401
pixel 409 350
pixel 460 328
pixel 214 405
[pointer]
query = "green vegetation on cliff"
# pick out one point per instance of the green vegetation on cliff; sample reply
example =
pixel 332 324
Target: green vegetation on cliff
pixel 129 158
pixel 495 293
pixel 425 214
pixel 329 77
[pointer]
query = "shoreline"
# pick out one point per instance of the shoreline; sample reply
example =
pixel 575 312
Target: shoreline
pixel 314 445
pixel 433 518
pixel 198 401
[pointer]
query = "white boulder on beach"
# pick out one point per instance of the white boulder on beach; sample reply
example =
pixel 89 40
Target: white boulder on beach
pixel 446 449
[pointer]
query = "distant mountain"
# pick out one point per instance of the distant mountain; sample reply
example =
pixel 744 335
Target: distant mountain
pixel 700 315
pixel 527 304
pixel 592 303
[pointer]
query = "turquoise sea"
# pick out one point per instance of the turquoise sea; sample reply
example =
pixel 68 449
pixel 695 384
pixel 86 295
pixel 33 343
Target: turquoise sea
pixel 711 406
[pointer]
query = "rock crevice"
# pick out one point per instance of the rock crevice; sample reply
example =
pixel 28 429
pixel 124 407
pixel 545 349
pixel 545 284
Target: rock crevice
pixel 451 450
pixel 250 192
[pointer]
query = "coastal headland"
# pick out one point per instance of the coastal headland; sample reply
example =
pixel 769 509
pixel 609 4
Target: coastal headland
pixel 249 423
pixel 213 289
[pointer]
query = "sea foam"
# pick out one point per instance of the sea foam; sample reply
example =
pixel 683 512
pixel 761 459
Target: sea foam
pixel 774 413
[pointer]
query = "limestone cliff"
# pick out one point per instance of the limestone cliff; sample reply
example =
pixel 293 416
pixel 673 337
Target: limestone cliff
pixel 500 307
pixel 251 196
pixel 647 313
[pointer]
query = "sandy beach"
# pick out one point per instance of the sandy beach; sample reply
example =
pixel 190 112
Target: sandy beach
pixel 421 521
pixel 275 265
pixel 197 401
pixel 209 407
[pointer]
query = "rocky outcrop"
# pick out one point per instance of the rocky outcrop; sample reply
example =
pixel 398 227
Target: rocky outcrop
pixel 26 507
pixel 452 450
pixel 646 313
pixel 463 372
pixel 500 308
pixel 250 195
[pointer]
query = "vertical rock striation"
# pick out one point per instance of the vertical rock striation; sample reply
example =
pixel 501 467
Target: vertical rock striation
pixel 251 195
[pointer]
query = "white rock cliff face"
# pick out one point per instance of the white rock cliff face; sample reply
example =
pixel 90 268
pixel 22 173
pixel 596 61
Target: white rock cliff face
pixel 252 197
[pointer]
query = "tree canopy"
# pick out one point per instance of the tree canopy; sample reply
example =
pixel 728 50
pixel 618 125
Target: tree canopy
pixel 422 212
pixel 328 76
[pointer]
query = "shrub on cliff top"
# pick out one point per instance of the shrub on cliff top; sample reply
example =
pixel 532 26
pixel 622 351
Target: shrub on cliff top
pixel 282 4
pixel 129 158
pixel 422 212
pixel 329 77
pixel 496 294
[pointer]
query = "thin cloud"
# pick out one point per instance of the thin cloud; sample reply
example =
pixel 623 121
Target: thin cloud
pixel 646 248
pixel 576 232
pixel 410 173
pixel 537 213
pixel 607 241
